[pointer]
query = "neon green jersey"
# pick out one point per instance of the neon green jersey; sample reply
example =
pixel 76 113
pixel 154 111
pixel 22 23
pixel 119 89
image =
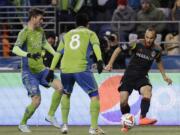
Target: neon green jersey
pixel 31 41
pixel 77 46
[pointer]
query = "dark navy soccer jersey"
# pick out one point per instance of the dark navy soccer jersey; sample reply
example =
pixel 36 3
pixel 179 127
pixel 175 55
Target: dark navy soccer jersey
pixel 142 58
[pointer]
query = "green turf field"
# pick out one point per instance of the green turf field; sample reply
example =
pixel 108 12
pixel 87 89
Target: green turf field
pixel 83 130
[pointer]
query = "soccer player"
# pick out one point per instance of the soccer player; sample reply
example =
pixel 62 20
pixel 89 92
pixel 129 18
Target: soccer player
pixel 29 45
pixel 136 74
pixel 76 47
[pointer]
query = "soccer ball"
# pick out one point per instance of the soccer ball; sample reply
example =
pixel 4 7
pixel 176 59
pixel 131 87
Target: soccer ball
pixel 128 120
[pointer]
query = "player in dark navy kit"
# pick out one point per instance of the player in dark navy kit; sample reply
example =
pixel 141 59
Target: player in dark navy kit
pixel 136 74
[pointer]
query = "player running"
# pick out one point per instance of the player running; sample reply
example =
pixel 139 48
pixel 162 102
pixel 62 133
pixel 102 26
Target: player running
pixel 29 45
pixel 76 46
pixel 136 74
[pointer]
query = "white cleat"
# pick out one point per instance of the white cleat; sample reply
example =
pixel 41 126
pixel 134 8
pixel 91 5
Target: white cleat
pixel 24 128
pixel 53 121
pixel 64 129
pixel 96 131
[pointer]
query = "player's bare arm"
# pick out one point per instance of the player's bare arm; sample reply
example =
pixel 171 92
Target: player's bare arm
pixel 162 71
pixel 113 58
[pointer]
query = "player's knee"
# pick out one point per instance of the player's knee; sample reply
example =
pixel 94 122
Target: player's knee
pixel 147 94
pixel 59 89
pixel 57 85
pixel 36 100
pixel 146 91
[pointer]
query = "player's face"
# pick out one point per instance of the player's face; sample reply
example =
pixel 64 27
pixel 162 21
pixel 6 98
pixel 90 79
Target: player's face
pixel 149 38
pixel 38 20
pixel 51 40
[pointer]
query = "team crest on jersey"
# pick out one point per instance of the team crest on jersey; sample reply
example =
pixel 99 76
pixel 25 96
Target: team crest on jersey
pixel 153 54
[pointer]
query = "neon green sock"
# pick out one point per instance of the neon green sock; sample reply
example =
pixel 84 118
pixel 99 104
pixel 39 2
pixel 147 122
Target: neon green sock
pixel 65 106
pixel 28 113
pixel 94 110
pixel 56 98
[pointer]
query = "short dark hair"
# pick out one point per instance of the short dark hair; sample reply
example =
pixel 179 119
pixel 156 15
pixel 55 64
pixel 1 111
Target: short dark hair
pixel 50 34
pixel 33 12
pixel 82 19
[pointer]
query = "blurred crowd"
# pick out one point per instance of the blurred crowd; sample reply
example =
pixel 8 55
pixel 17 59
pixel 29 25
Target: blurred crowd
pixel 118 10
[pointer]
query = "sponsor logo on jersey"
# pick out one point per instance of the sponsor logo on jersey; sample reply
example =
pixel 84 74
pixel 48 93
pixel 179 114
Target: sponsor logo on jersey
pixel 144 56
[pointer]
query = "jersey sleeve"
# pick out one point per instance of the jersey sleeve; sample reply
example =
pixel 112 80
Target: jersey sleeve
pixel 44 41
pixel 94 39
pixel 61 46
pixel 95 44
pixel 21 39
pixel 58 54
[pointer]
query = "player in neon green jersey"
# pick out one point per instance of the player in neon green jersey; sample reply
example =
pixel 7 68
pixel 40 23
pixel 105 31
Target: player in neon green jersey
pixel 76 47
pixel 29 45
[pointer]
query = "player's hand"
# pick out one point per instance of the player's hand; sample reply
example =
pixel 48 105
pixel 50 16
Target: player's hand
pixel 168 80
pixel 34 56
pixel 50 76
pixel 100 66
pixel 108 67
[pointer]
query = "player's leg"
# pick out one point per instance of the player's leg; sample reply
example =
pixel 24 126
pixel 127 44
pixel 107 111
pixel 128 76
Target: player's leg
pixel 94 111
pixel 65 107
pixel 68 83
pixel 125 108
pixel 32 87
pixel 87 82
pixel 125 90
pixel 56 97
pixel 31 109
pixel 55 101
pixel 146 92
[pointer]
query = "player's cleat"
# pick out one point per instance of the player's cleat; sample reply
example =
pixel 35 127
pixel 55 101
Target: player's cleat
pixel 124 129
pixel 24 128
pixel 147 121
pixel 52 120
pixel 97 131
pixel 64 129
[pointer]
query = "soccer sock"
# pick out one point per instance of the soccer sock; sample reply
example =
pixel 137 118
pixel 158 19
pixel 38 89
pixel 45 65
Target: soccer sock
pixel 65 106
pixel 94 111
pixel 56 98
pixel 28 113
pixel 145 104
pixel 125 109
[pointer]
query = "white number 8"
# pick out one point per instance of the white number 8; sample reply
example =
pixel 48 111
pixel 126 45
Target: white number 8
pixel 75 42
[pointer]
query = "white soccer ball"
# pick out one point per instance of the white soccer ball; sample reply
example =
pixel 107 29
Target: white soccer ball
pixel 128 120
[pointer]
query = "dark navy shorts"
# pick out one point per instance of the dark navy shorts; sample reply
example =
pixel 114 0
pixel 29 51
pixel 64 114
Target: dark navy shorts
pixel 32 81
pixel 84 79
pixel 128 83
